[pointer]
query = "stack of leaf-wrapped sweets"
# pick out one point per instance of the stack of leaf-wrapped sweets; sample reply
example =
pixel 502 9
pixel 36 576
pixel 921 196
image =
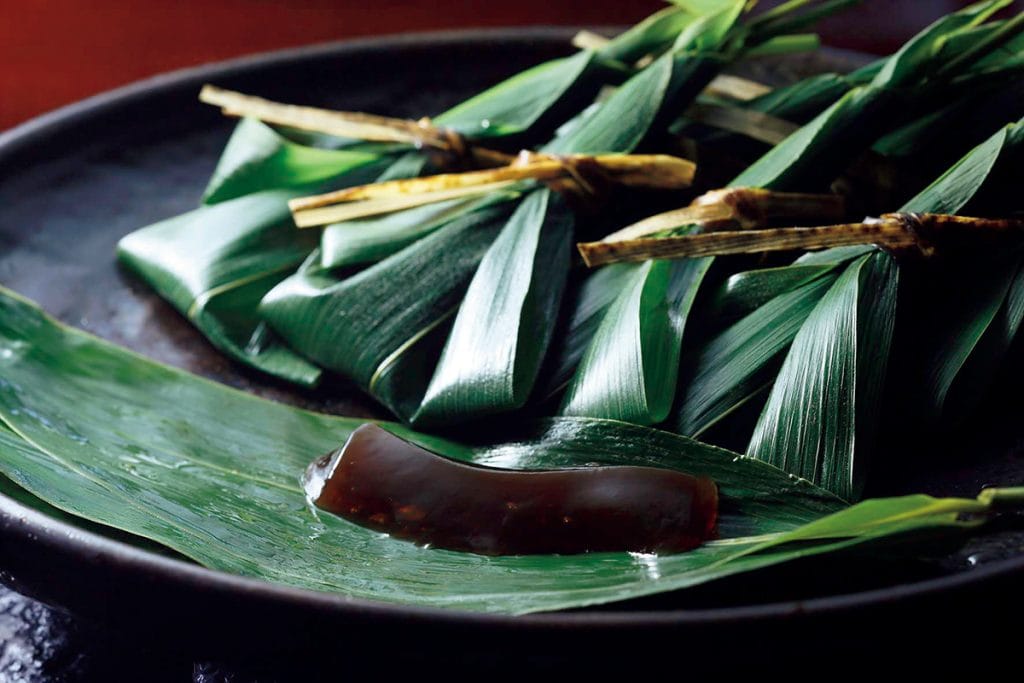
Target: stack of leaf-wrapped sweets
pixel 625 255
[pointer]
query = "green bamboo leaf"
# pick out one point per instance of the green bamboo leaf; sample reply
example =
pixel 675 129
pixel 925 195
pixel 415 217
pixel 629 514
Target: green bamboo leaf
pixel 630 369
pixel 797 103
pixel 209 471
pixel 844 129
pixel 911 139
pixel 526 96
pixel 785 45
pixel 651 36
pixel 483 369
pixel 341 246
pixel 534 101
pixel 786 18
pixel 369 240
pixel 957 186
pixel 863 114
pixel 357 325
pixel 819 420
pixel 978 373
pixel 978 325
pixel 505 322
pixel 258 158
pixel 548 91
pixel 731 368
pixel 744 292
pixel 628 372
pixel 14 492
pixel 712 27
pixel 517 104
pixel 980 313
pixel 751 367
pixel 809 97
pixel 833 256
pixel 588 304
pixel 737 362
pixel 976 332
pixel 623 120
pixel 214 265
pixel 828 142
pixel 980 102
pixel 918 56
pixel 212 473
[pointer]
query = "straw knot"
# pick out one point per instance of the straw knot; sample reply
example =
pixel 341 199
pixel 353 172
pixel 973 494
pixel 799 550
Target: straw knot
pixel 915 225
pixel 585 179
pixel 450 148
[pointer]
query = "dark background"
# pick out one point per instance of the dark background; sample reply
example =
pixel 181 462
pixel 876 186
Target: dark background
pixel 53 52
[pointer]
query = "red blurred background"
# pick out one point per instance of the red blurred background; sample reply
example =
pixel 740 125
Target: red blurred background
pixel 53 52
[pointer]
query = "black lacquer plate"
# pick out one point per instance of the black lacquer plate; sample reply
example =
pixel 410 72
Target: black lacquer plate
pixel 74 181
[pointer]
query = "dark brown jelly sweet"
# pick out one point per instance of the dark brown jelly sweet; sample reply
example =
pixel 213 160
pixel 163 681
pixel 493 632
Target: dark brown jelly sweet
pixel 380 481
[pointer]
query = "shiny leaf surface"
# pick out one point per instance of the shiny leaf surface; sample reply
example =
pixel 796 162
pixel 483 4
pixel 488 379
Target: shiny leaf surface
pixel 213 474
pixel 507 317
pixel 359 325
pixel 820 416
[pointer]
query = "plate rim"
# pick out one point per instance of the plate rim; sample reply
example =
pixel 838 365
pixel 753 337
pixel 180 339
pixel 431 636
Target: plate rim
pixel 57 536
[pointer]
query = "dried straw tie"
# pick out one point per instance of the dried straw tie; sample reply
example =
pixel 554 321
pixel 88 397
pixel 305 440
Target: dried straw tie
pixel 741 208
pixel 576 174
pixel 904 234
pixel 573 174
pixel 421 133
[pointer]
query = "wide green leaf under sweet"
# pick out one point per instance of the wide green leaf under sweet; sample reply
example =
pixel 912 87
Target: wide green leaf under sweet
pixel 213 473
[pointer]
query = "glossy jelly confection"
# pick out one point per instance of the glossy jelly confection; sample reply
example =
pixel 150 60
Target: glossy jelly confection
pixel 382 482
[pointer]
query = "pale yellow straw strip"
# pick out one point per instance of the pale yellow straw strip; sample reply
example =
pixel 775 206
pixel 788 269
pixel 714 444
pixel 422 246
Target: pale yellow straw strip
pixel 656 171
pixel 889 234
pixel 347 211
pixel 749 207
pixel 752 124
pixel 736 88
pixel 353 125
pixel 900 232
pixel 346 124
pixel 588 40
